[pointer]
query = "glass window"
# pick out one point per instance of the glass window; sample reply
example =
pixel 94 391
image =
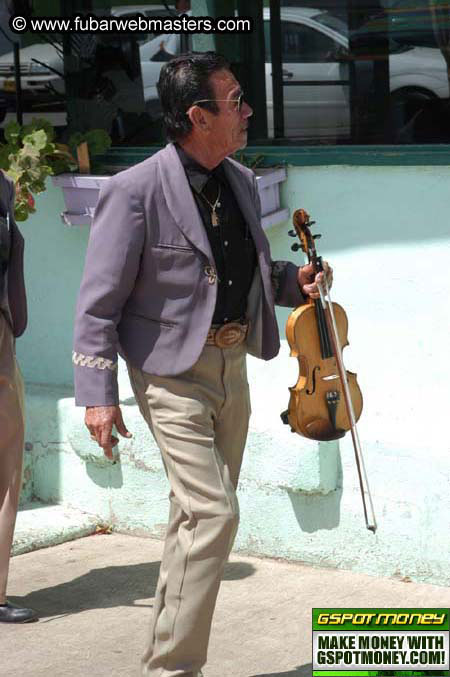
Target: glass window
pixel 369 73
pixel 41 69
pixel 375 72
pixel 301 44
pixel 91 80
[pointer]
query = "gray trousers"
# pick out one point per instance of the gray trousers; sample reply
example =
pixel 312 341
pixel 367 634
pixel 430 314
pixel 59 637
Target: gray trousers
pixel 200 421
pixel 11 446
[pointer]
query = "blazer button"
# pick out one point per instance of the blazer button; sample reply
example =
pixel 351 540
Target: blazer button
pixel 211 274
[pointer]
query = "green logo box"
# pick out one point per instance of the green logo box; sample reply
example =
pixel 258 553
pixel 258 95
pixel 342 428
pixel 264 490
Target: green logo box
pixel 389 622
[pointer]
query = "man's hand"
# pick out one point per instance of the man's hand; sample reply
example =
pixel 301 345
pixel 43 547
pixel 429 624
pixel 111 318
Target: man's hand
pixel 308 283
pixel 99 421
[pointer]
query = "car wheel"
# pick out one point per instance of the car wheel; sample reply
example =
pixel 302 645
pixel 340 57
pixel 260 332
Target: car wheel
pixel 407 106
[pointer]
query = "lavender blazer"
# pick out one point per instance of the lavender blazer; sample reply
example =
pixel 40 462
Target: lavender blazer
pixel 147 291
pixel 14 303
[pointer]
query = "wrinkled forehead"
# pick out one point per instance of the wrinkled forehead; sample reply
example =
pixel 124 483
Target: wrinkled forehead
pixel 224 84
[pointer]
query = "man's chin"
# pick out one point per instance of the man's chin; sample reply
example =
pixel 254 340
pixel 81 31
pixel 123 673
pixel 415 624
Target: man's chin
pixel 243 139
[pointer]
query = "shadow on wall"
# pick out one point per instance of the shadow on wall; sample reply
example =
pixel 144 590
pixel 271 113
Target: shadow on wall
pixel 115 586
pixel 318 510
pixel 314 512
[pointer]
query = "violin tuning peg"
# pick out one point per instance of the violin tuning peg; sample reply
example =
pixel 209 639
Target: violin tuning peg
pixel 292 233
pixel 295 247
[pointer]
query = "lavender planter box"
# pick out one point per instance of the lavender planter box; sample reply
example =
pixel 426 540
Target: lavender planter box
pixel 81 195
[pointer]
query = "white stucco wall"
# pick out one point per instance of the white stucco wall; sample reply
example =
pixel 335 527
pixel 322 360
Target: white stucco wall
pixel 385 230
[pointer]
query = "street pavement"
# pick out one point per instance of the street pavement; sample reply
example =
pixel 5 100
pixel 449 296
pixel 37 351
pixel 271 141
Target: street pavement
pixel 95 598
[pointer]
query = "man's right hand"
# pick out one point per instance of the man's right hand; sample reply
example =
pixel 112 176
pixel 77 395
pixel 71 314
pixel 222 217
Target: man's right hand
pixel 99 421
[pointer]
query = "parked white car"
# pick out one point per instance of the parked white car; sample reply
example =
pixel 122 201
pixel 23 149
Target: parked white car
pixel 314 51
pixel 41 67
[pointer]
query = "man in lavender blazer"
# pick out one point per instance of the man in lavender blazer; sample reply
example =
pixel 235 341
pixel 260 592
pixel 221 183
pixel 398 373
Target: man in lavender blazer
pixel 13 320
pixel 179 280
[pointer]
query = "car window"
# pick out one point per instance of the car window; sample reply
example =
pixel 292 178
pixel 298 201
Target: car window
pixel 304 44
pixel 332 21
pixel 301 43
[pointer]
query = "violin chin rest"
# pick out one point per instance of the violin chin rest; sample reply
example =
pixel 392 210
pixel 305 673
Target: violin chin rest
pixel 323 431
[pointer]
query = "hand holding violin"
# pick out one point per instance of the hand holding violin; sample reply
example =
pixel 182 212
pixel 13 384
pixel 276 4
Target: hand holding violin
pixel 308 281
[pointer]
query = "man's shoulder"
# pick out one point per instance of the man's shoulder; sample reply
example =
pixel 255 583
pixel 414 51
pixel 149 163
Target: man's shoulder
pixel 139 177
pixel 6 191
pixel 7 184
pixel 239 167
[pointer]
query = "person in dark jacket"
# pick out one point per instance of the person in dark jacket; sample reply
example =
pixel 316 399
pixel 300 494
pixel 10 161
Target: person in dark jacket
pixel 13 321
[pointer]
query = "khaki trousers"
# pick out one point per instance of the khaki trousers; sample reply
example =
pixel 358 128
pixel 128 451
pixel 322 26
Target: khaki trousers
pixel 11 446
pixel 200 421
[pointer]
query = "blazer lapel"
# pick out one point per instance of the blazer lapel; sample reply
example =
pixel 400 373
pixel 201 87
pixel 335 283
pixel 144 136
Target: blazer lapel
pixel 245 201
pixel 180 200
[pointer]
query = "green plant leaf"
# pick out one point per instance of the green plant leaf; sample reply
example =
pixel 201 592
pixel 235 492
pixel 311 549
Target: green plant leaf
pixel 98 141
pixel 12 133
pixel 39 123
pixel 74 141
pixel 37 139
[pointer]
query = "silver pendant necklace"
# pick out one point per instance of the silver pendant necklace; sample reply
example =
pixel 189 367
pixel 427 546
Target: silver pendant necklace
pixel 216 205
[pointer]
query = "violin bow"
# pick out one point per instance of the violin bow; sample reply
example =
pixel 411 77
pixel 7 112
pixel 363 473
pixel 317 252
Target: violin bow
pixel 369 513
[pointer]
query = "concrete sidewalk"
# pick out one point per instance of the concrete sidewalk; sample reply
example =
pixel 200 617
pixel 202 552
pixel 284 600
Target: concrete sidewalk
pixel 95 599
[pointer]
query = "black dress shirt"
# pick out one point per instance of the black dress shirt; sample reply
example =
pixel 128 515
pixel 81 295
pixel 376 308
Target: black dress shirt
pixel 231 240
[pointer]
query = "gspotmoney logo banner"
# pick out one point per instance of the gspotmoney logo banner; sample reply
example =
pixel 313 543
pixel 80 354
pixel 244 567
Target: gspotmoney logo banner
pixel 400 642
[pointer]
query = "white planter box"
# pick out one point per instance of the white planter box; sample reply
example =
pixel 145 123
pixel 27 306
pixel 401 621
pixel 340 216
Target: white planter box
pixel 81 195
pixel 268 182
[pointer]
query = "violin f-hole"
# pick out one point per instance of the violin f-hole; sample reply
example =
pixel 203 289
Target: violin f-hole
pixel 308 390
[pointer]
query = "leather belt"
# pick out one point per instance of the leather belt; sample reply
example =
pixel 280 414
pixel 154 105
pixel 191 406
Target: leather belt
pixel 227 335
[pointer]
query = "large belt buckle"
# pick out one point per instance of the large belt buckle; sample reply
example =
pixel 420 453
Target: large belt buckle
pixel 230 334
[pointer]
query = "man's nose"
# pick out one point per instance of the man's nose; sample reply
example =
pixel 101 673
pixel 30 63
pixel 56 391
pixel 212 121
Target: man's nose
pixel 246 110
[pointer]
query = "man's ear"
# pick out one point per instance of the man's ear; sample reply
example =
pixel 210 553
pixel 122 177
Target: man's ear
pixel 198 118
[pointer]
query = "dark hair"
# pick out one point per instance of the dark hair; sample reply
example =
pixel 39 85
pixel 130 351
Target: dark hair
pixel 183 81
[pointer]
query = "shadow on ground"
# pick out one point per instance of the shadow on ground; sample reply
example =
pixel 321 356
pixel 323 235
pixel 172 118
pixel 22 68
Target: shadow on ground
pixel 115 586
pixel 299 671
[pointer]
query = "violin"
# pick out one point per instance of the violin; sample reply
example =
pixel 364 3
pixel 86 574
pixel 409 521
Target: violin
pixel 326 401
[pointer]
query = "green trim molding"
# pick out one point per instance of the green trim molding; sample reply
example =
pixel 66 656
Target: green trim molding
pixel 306 156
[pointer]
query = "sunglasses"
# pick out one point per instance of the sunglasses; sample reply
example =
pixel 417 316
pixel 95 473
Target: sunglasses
pixel 239 101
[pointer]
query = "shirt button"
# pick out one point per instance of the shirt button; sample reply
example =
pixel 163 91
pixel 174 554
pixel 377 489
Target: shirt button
pixel 230 282
pixel 226 243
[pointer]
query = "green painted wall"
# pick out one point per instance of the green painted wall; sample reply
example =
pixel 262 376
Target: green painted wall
pixel 385 231
pixel 54 259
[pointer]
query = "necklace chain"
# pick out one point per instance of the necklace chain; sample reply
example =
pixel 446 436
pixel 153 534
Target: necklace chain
pixel 214 217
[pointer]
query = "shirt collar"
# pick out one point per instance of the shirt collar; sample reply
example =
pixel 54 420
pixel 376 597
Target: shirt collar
pixel 197 175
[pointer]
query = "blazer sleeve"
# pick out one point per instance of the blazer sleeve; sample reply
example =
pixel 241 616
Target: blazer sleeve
pixel 17 298
pixel 111 266
pixel 285 287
